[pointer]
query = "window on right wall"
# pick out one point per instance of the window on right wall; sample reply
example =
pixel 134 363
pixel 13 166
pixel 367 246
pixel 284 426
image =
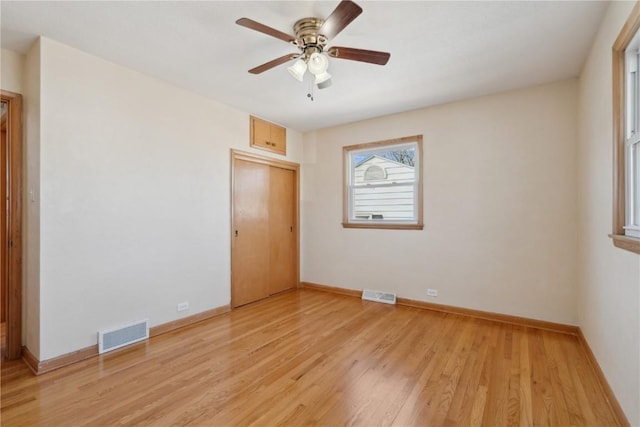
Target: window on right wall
pixel 626 143
pixel 632 139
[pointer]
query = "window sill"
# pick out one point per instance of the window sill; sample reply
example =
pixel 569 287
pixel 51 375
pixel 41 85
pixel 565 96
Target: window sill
pixel 384 226
pixel 625 242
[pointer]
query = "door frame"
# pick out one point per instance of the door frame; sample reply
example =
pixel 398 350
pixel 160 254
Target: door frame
pixel 14 224
pixel 283 164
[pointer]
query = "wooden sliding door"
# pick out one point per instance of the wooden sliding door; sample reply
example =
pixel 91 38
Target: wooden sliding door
pixel 264 231
pixel 250 255
pixel 282 254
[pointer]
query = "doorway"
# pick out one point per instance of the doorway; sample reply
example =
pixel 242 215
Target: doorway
pixel 264 227
pixel 11 224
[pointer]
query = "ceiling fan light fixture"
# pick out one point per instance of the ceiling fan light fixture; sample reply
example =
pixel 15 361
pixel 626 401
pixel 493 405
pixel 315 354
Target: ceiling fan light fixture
pixel 322 78
pixel 298 69
pixel 318 63
pixel 325 84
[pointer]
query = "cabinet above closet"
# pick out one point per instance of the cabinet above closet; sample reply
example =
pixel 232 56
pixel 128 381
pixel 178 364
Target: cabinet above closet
pixel 268 136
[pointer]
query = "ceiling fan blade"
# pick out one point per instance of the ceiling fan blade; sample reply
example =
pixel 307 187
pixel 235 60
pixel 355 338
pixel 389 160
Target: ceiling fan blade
pixel 362 55
pixel 253 25
pixel 342 16
pixel 269 65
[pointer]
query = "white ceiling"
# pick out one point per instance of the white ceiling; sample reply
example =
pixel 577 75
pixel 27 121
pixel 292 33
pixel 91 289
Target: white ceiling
pixel 440 51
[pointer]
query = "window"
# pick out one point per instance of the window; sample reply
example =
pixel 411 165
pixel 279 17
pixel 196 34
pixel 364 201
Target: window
pixel 383 184
pixel 632 139
pixel 626 144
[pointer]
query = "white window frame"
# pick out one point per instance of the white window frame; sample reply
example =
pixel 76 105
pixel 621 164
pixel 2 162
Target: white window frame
pixel 349 154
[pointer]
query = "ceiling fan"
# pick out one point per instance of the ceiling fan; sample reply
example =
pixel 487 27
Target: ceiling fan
pixel 311 38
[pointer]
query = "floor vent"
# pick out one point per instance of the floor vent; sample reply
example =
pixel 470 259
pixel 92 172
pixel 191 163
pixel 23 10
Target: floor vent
pixel 385 297
pixel 110 339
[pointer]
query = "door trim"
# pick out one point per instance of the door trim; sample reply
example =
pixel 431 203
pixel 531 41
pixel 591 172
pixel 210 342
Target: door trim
pixel 283 164
pixel 14 224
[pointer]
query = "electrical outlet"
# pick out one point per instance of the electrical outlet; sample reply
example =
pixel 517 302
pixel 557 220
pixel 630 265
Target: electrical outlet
pixel 183 306
pixel 432 292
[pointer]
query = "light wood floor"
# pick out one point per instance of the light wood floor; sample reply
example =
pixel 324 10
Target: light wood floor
pixel 309 357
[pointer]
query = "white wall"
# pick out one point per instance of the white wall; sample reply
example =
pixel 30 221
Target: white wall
pixel 31 206
pixel 135 198
pixel 609 292
pixel 499 206
pixel 11 71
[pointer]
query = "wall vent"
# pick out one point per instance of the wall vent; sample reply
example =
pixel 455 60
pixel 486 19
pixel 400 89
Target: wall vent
pixel 385 297
pixel 110 339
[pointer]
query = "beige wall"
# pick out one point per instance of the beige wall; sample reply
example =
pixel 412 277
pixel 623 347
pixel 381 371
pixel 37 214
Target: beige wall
pixel 11 71
pixel 609 291
pixel 499 207
pixel 31 205
pixel 134 198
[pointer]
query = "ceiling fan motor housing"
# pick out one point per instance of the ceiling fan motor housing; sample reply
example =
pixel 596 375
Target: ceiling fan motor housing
pixel 307 37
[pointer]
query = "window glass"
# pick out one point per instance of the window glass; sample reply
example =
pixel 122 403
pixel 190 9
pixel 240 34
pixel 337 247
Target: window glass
pixel 635 184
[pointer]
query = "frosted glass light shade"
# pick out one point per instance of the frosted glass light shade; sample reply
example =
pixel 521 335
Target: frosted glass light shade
pixel 318 63
pixel 324 84
pixel 297 69
pixel 322 77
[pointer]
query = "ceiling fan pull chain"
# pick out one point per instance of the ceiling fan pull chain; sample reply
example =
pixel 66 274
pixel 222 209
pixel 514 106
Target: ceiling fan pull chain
pixel 310 93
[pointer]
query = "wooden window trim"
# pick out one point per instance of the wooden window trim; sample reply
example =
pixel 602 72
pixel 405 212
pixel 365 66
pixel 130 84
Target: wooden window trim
pixel 345 194
pixel 630 28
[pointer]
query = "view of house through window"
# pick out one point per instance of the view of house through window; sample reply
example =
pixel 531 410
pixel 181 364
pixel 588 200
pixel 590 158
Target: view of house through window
pixel 383 184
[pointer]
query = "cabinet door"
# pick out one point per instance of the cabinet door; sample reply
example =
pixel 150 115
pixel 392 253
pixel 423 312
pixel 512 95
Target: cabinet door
pixel 260 133
pixel 278 139
pixel 250 233
pixel 282 242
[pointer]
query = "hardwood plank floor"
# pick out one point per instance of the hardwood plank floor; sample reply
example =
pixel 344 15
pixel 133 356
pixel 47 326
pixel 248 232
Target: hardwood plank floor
pixel 310 357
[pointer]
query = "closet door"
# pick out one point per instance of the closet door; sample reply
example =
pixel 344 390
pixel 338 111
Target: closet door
pixel 282 242
pixel 250 233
